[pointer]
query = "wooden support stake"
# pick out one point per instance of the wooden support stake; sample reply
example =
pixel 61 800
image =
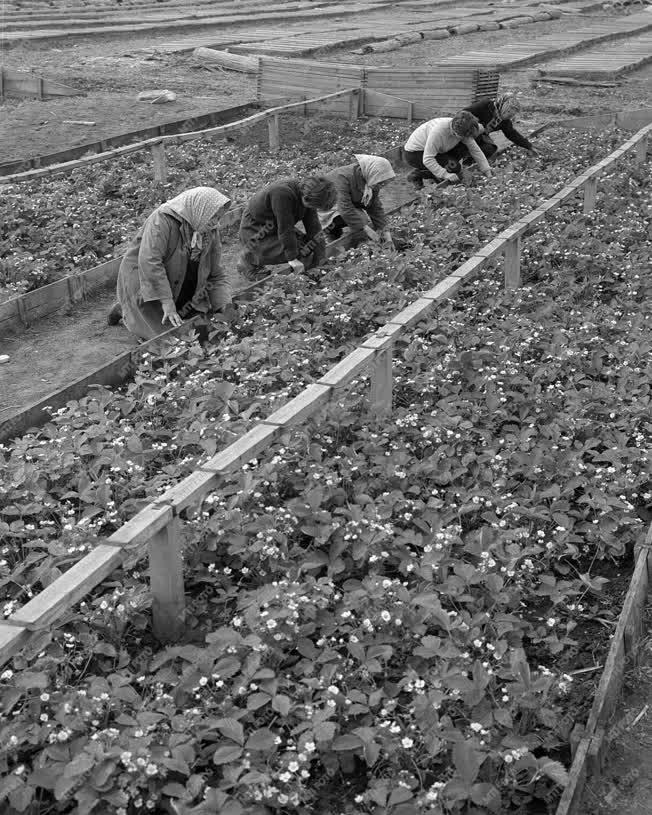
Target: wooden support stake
pixel 39 87
pixel 354 105
pixel 382 383
pixel 590 192
pixel 2 84
pixel 274 134
pixel 166 583
pixel 410 112
pixel 640 151
pixel 22 311
pixel 160 162
pixel 305 107
pixel 512 263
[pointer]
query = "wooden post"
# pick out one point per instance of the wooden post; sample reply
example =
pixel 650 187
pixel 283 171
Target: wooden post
pixel 354 105
pixel 641 151
pixel 512 263
pixel 22 312
pixel 382 383
pixel 590 192
pixel 160 163
pixel 305 107
pixel 166 583
pixel 274 135
pixel 39 87
pixel 410 112
pixel 2 83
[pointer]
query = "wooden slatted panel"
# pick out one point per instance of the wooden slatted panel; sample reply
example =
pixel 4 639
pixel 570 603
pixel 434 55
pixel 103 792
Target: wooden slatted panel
pixel 434 90
pixel 604 63
pixel 513 55
pixel 22 83
pixel 297 79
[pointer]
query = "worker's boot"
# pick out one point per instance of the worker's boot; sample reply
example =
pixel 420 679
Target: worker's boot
pixel 416 178
pixel 115 315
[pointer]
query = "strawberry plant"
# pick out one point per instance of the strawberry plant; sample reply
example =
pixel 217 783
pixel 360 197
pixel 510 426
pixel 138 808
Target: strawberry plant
pixel 383 616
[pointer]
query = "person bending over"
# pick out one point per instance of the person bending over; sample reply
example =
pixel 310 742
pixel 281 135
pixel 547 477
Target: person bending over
pixel 268 232
pixel 171 270
pixel 430 150
pixel 496 115
pixel 359 208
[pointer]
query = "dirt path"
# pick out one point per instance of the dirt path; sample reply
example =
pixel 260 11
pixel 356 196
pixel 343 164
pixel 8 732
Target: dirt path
pixel 49 355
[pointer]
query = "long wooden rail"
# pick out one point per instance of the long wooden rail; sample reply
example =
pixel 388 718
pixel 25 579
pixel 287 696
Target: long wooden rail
pixel 155 529
pixel 157 144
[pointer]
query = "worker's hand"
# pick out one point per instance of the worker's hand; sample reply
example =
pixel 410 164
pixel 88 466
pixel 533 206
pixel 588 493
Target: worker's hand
pixel 387 237
pixel 297 266
pixel 228 313
pixel 533 151
pixel 170 314
pixel 455 178
pixel 372 234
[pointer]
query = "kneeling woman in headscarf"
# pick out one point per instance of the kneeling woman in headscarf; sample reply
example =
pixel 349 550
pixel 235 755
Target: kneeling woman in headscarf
pixel 498 114
pixel 268 232
pixel 358 201
pixel 172 269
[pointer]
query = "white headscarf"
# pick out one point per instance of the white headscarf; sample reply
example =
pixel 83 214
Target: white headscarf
pixel 507 105
pixel 197 208
pixel 375 170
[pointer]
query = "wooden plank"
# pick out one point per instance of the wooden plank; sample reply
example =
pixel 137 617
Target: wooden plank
pixel 492 249
pixel 243 450
pixel 610 685
pixel 449 286
pixel 383 338
pixel 70 587
pixel 142 527
pixel 572 794
pixel 166 583
pixel 12 640
pixel 188 492
pixel 348 368
pixel 512 263
pixel 382 383
pixel 414 313
pixel 298 409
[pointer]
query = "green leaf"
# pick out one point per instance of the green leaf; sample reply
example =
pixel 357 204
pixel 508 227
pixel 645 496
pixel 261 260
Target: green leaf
pixel 281 704
pixel 555 771
pixel 467 761
pixel 347 742
pixel 324 731
pixel 232 729
pixel 80 764
pixel 227 753
pixel 258 700
pixel 30 679
pixel 262 739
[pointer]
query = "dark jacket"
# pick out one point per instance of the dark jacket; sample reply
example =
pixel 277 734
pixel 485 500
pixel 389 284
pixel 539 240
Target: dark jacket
pixel 485 112
pixel 280 203
pixel 350 186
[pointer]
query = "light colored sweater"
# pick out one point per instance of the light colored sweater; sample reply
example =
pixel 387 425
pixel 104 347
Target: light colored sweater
pixel 436 136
